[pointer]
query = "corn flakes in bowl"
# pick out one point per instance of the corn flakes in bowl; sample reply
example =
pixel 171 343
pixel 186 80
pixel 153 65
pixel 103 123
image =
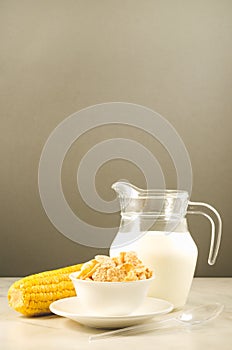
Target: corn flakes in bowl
pixel 112 286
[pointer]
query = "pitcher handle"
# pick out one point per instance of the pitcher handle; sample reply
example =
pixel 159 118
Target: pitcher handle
pixel 216 226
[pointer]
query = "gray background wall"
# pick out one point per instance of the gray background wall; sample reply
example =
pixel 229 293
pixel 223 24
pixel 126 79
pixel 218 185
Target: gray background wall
pixel 60 56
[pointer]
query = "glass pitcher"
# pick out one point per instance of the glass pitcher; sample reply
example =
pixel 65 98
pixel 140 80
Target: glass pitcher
pixel 153 224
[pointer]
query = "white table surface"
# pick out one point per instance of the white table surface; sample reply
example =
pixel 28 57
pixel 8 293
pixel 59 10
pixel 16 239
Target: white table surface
pixel 53 332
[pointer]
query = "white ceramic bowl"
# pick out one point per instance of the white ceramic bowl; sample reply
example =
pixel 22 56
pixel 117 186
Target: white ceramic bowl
pixel 110 298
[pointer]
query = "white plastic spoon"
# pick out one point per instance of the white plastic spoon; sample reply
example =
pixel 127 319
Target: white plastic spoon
pixel 195 316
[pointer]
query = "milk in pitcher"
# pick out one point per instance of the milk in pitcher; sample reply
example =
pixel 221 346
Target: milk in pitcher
pixel 172 257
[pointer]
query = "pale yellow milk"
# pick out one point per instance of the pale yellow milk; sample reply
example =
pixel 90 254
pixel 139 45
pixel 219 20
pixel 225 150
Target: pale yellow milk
pixel 172 257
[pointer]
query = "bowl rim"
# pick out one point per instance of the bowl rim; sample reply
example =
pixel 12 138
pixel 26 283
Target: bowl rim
pixel 72 276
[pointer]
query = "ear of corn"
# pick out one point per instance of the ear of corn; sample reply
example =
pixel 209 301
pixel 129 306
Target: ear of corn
pixel 32 295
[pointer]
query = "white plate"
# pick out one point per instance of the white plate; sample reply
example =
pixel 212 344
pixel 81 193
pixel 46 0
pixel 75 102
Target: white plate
pixel 72 308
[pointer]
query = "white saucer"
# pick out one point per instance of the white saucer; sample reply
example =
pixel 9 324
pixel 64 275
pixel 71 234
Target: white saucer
pixel 71 308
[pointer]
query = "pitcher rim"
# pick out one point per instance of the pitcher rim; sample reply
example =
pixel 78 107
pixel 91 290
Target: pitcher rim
pixel 150 193
pixel 157 193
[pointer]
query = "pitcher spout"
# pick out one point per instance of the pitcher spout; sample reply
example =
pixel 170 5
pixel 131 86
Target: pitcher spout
pixel 125 189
